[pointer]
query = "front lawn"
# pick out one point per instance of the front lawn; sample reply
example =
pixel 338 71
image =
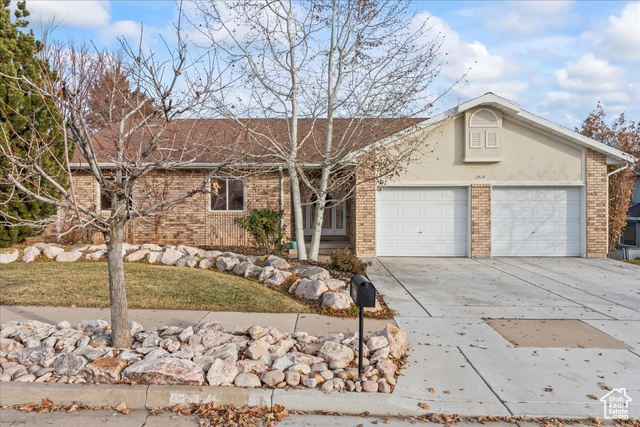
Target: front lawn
pixel 85 284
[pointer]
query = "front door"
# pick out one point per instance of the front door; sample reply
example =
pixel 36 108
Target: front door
pixel 333 223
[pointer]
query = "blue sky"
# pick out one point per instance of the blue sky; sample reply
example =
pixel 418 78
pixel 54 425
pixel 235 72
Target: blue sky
pixel 556 59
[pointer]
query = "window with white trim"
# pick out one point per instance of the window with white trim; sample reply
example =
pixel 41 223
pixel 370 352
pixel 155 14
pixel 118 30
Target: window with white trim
pixel 475 139
pixel 491 139
pixel 227 194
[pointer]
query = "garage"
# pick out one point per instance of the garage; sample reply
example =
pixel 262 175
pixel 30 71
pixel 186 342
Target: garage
pixel 535 221
pixel 422 221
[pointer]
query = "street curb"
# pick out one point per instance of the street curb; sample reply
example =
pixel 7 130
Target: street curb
pixel 157 396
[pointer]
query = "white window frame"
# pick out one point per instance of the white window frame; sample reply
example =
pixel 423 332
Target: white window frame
pixel 244 195
pixel 471 143
pixel 484 126
pixel 486 139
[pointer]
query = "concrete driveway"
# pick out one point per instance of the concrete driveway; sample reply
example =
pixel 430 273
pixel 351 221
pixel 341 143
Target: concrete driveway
pixel 577 335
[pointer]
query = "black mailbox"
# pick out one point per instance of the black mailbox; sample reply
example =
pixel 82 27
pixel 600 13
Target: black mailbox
pixel 363 292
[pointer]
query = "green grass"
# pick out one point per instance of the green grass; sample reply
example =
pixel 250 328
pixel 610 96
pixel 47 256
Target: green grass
pixel 85 284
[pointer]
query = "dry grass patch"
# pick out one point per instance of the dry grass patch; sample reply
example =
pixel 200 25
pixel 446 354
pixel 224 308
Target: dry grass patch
pixel 148 286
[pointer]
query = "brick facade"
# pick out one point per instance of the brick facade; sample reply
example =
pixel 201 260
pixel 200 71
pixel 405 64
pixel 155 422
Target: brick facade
pixel 596 171
pixel 361 214
pixel 481 220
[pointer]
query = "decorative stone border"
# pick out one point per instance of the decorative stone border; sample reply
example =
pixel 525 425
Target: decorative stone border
pixel 205 353
pixel 315 282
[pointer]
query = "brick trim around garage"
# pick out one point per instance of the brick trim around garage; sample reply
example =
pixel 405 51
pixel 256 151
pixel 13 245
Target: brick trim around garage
pixel 481 220
pixel 596 180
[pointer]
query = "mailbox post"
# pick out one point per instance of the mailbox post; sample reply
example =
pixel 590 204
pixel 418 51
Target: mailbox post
pixel 363 294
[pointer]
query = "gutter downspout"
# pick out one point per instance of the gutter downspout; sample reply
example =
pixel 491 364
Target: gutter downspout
pixel 608 176
pixel 282 201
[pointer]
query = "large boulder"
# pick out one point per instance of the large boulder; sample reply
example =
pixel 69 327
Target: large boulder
pixel 94 256
pixel 137 255
pixel 153 257
pixel 241 268
pixel 106 370
pixel 335 284
pixel 187 261
pixel 276 262
pixel 332 351
pixel 171 256
pixel 224 263
pixel 222 372
pixel 52 251
pixel 8 257
pixel 316 273
pixel 151 247
pixel 277 278
pixel 310 289
pixel 253 271
pixel 42 356
pixel 210 254
pixel 30 253
pixel 207 263
pixel 397 338
pixel 166 370
pixel 68 256
pixel 337 300
pixel 191 251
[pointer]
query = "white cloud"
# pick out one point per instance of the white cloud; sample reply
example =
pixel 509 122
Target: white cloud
pixel 590 74
pixel 91 14
pixel 620 37
pixel 524 18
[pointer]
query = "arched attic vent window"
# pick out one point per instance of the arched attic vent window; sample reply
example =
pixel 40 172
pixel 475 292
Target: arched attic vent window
pixel 483 118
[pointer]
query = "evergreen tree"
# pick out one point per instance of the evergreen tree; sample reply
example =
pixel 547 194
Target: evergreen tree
pixel 30 125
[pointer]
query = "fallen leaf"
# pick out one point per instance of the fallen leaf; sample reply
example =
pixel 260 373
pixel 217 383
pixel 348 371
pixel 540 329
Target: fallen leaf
pixel 549 388
pixel 604 386
pixel 432 390
pixel 424 405
pixel 447 392
pixel 592 397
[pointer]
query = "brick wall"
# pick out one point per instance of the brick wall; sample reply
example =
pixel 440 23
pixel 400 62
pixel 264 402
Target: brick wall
pixel 596 169
pixel 361 212
pixel 481 220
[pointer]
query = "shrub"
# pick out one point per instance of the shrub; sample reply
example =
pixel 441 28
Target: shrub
pixel 346 261
pixel 265 228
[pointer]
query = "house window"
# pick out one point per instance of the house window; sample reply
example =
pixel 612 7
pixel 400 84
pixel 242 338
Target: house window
pixel 227 194
pixel 484 119
pixel 629 234
pixel 474 139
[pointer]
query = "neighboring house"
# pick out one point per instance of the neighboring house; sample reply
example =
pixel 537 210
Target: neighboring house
pixel 495 180
pixel 631 234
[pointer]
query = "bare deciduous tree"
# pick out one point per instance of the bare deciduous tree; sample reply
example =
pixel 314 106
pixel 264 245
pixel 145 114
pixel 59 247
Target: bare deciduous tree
pixel 337 72
pixel 141 101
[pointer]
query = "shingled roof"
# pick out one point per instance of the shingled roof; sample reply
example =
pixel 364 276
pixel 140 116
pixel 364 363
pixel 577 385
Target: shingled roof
pixel 211 141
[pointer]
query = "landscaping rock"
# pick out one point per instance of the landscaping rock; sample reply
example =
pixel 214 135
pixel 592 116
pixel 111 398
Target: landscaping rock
pixel 191 251
pixel 30 253
pixel 241 268
pixel 256 351
pixel 204 361
pixel 266 273
pixel 247 380
pixel 63 325
pixel 310 289
pixel 94 256
pixel 377 342
pixel 52 251
pixel 272 378
pixel 68 256
pixel 93 326
pixel 7 345
pixel 210 254
pixel 397 338
pixel 135 327
pixel 387 367
pixel 187 261
pixel 212 338
pixel 105 370
pixel 335 284
pixel 154 257
pixel 8 257
pixel 337 300
pixel 253 271
pixel 332 351
pixel 69 364
pixel 370 386
pixel 171 256
pixel 251 366
pixel 166 370
pixel 226 263
pixel 276 262
pixel 151 247
pixel 213 325
pixel 277 278
pixel 186 334
pixel 137 255
pixel 316 273
pixel 207 263
pixel 91 353
pixel 225 352
pixel 221 372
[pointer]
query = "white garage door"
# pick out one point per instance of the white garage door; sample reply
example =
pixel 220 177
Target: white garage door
pixel 535 221
pixel 421 221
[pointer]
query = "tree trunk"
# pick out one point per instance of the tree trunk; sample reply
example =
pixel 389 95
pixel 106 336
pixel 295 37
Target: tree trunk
pixel 120 329
pixel 297 213
pixel 319 214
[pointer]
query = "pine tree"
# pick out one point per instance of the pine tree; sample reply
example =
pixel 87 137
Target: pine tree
pixel 27 121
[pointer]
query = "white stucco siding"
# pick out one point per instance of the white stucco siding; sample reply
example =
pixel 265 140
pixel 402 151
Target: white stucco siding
pixel 528 157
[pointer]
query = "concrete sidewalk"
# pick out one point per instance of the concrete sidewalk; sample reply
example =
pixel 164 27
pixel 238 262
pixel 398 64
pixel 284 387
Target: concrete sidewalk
pixel 313 324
